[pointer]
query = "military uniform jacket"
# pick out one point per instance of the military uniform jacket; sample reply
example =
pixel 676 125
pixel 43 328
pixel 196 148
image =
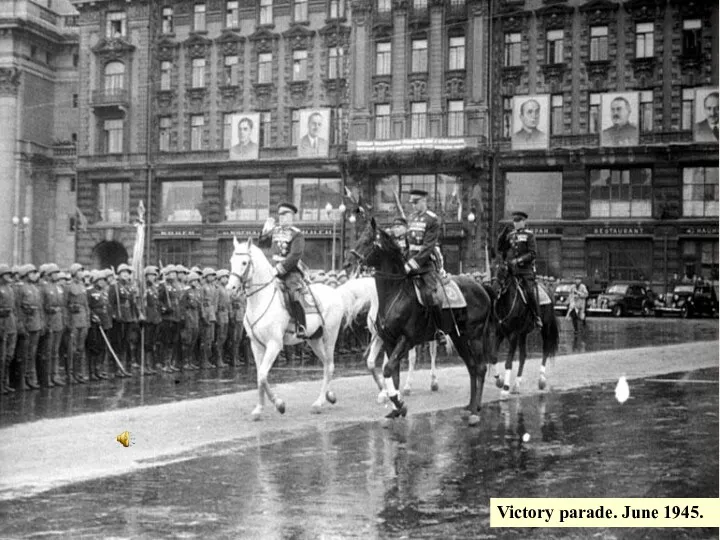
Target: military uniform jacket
pixel 78 307
pixel 190 308
pixel 210 303
pixel 422 237
pixel 288 245
pixel 8 324
pixel 99 304
pixel 54 306
pixel 31 307
pixel 522 246
pixel 169 294
pixel 19 319
pixel 127 309
pixel 152 304
pixel 238 303
pixel 223 306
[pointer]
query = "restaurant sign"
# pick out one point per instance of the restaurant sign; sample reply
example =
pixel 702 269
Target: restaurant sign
pixel 622 230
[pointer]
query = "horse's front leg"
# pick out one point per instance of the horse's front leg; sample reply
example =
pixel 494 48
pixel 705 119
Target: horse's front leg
pixel 434 386
pixel 512 345
pixel 374 350
pixel 522 355
pixel 412 358
pixel 272 349
pixel 258 354
pixel 324 349
pixel 390 372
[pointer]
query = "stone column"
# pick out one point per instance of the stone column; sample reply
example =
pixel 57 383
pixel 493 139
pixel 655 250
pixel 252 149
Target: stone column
pixel 360 80
pixel 10 177
pixel 436 47
pixel 399 69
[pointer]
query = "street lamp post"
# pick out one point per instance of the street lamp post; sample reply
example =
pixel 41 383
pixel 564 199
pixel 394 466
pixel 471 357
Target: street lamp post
pixel 341 212
pixel 17 221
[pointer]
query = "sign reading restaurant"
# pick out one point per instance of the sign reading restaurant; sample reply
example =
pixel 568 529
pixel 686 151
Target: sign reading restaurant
pixel 619 231
pixel 408 145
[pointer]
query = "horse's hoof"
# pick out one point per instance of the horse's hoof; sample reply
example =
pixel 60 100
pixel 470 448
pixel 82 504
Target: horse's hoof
pixel 382 397
pixel 316 408
pixel 331 397
pixel 434 386
pixel 465 412
pixel 542 383
pixel 255 415
pixel 473 420
pixel 407 391
pixel 280 406
pixel 515 390
pixel 505 392
pixel 397 413
pixel 498 382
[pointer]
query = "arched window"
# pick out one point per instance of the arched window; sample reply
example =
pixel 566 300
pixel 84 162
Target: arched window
pixel 114 76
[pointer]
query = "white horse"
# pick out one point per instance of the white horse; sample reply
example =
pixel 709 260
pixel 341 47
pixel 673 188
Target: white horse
pixel 268 323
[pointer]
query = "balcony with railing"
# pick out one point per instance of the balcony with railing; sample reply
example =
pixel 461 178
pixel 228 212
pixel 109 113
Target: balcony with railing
pixel 27 10
pixel 110 98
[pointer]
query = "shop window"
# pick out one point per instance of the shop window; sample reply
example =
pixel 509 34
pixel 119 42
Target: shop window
pixel 700 258
pixel 444 193
pixel 183 251
pixel 620 193
pixel 181 201
pixel 700 191
pixel 247 199
pixel 537 193
pixel 615 260
pixel 548 260
pixel 114 202
pixel 311 195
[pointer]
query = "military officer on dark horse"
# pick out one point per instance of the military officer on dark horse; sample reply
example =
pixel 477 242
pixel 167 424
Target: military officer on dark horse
pixel 288 246
pixel 519 248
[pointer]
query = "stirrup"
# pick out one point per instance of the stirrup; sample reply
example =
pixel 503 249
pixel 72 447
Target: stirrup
pixel 300 331
pixel 538 321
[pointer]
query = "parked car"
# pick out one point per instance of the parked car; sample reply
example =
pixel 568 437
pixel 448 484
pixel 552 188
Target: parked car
pixel 561 296
pixel 689 300
pixel 624 298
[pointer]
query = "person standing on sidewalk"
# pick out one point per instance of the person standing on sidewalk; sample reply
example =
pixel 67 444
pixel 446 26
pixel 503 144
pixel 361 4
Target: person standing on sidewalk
pixel 33 322
pixel 191 306
pixel 8 326
pixel 223 317
pixel 169 295
pixel 576 302
pixel 54 301
pixel 79 322
pixel 208 317
pixel 124 308
pixel 153 318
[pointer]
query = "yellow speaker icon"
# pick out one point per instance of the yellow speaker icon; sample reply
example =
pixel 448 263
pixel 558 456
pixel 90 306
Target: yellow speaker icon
pixel 124 438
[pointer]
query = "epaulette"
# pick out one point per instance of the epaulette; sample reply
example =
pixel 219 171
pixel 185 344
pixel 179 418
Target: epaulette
pixel 431 213
pixel 293 228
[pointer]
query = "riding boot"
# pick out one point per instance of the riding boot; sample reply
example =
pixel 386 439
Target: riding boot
pixel 300 324
pixel 534 303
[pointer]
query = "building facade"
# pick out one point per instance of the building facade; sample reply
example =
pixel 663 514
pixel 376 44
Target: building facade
pixel 38 114
pixel 174 88
pixel 600 134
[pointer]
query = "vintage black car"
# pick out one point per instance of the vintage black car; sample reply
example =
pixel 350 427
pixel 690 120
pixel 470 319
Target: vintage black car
pixel 689 300
pixel 562 290
pixel 624 298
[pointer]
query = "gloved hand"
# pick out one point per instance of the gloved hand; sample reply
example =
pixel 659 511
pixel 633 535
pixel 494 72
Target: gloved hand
pixel 268 226
pixel 408 268
pixel 274 271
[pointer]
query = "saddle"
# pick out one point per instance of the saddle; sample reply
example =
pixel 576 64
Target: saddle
pixel 306 299
pixel 543 296
pixel 447 294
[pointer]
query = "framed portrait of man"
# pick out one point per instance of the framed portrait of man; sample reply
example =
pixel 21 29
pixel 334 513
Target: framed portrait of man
pixel 619 119
pixel 314 133
pixel 244 131
pixel 531 121
pixel 705 124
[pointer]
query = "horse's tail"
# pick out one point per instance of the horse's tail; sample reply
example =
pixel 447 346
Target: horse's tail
pixel 353 304
pixel 489 329
pixel 550 331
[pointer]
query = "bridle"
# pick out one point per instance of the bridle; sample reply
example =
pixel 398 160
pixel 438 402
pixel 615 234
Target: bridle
pixel 244 278
pixel 503 289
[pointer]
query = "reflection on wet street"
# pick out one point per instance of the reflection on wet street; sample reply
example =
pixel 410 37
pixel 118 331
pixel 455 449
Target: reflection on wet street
pixel 427 476
pixel 600 334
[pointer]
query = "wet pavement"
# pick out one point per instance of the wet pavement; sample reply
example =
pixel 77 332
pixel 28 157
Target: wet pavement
pixel 427 476
pixel 601 334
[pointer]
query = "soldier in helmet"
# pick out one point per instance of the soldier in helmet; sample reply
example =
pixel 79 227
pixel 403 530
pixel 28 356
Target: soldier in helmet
pixel 33 323
pixel 223 317
pixel 208 317
pixel 191 305
pixel 169 294
pixel 238 303
pixel 100 318
pixel 153 317
pixel 124 307
pixel 79 323
pixel 54 302
pixel 8 326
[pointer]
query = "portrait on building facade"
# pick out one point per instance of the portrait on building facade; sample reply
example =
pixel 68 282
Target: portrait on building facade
pixel 244 136
pixel 705 125
pixel 619 119
pixel 314 133
pixel 530 122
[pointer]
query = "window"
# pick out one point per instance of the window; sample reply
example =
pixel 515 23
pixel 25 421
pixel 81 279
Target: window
pixel 418 62
pixel 594 113
pixel 688 104
pixel 556 115
pixel 383 55
pixel 230 71
pixel 113 136
pixel 75 101
pixel 384 6
pixel 507 117
pixel 444 193
pixel 76 60
pixel 265 67
pixel 598 43
pixel 382 121
pixel 266 12
pixel 181 201
pixel 198 73
pixel 199 19
pixel 183 251
pixel 692 37
pixel 114 77
pixel 456 118
pixel 337 124
pixel 611 260
pixel 540 192
pixel 197 123
pixel 620 193
pixel 295 127
pixel 548 260
pixel 167 20
pixel 512 49
pixel 644 45
pixel 247 199
pixel 227 130
pixel 114 202
pixel 554 47
pixel 299 66
pixel 700 258
pixel 164 136
pixel 418 120
pixel 336 68
pixel 265 129
pixel 337 9
pixel 700 191
pixel 232 14
pixel 310 195
pixel 456 53
pixel 301 11
pixel 165 72
pixel 646 111
pixel 116 24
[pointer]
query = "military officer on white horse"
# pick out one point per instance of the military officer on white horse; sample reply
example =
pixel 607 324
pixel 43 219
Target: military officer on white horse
pixel 288 246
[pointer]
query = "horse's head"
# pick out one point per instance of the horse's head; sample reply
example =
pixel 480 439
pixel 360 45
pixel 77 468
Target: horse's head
pixel 376 248
pixel 502 274
pixel 241 264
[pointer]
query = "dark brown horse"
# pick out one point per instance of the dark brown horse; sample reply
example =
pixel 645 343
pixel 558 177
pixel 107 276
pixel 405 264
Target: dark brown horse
pixel 515 321
pixel 403 322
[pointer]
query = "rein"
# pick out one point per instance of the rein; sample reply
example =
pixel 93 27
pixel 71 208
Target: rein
pixel 503 320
